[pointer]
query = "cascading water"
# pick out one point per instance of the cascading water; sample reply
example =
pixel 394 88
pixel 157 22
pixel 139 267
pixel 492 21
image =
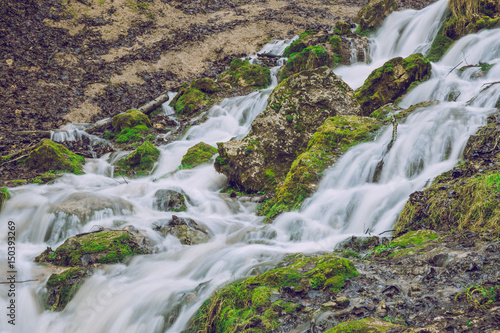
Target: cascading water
pixel 162 291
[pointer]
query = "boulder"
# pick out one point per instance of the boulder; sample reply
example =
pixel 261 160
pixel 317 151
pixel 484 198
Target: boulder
pixel 130 119
pixel 63 286
pixel 198 154
pixel 138 163
pixel 374 13
pixel 309 58
pixel 185 229
pixel 392 80
pixel 170 201
pixel 50 156
pixel 244 75
pixel 192 98
pixel 334 137
pixel 296 108
pixel 342 28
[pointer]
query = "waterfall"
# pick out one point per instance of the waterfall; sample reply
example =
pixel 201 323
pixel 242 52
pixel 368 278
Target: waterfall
pixel 162 291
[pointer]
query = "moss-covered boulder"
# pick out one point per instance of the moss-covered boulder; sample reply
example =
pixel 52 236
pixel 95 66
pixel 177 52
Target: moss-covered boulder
pixel 185 229
pixel 244 75
pixel 367 325
pixel 193 98
pixel 4 196
pixel 130 119
pixel 62 287
pixel 138 163
pixel 299 44
pixel 103 247
pixel 374 13
pixel 168 200
pixel 256 304
pixel 295 110
pixel 465 198
pixel 129 135
pixel 342 28
pixel 309 58
pixel 331 139
pixel 392 80
pixel 50 156
pixel 198 154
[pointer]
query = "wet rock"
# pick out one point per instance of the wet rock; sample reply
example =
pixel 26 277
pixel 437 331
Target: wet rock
pixel 185 229
pixel 361 244
pixel 130 119
pixel 296 108
pixel 63 286
pixel 374 13
pixel 392 80
pixel 308 59
pixel 167 200
pixel 242 74
pixel 138 163
pixel 50 156
pixel 192 98
pixel 198 154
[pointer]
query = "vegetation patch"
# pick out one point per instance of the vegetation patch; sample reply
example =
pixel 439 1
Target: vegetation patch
pixel 198 154
pixel 309 58
pixel 62 287
pixel 131 134
pixel 242 74
pixel 140 162
pixel 247 306
pixel 367 325
pixel 4 196
pixel 48 155
pixel 331 139
pixel 129 119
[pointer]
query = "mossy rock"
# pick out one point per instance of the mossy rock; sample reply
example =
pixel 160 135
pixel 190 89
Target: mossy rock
pixel 342 28
pixel 4 196
pixel 392 80
pixel 244 75
pixel 62 287
pixel 140 162
pixel 50 156
pixel 334 137
pixel 309 58
pixel 168 200
pixel 104 247
pixel 367 325
pixel 374 13
pixel 205 85
pixel 247 305
pixel 198 154
pixel 129 119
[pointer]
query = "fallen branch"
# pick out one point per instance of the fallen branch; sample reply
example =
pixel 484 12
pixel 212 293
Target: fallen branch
pixel 268 55
pixel 454 68
pixel 151 106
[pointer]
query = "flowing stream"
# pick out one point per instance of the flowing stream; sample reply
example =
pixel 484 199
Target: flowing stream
pixel 162 291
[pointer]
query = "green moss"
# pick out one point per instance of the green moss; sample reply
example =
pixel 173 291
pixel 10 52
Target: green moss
pixel 205 85
pixel 307 33
pixel 140 162
pixel 198 154
pixel 64 286
pixel 309 58
pixel 131 134
pixel 296 47
pixel 4 196
pixel 48 155
pixel 108 246
pixel 241 73
pixel 331 139
pixel 189 102
pixel 129 119
pixel 245 306
pixel 367 325
pixel 439 46
pixel 342 28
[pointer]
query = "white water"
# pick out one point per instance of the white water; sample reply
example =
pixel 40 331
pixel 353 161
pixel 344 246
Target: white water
pixel 160 292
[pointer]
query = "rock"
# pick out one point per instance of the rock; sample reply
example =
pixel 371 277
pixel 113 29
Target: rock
pixel 191 99
pixel 50 156
pixel 374 13
pixel 296 108
pixel 170 201
pixel 4 196
pixel 392 80
pixel 367 325
pixel 62 287
pixel 361 244
pixel 138 163
pixel 205 85
pixel 198 154
pixel 334 137
pixel 185 229
pixel 342 28
pixel 264 298
pixel 308 59
pixel 242 74
pixel 129 119
pixel 102 247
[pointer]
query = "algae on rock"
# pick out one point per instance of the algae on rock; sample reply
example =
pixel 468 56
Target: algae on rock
pixel 129 119
pixel 244 75
pixel 256 304
pixel 62 287
pixel 198 154
pixel 295 110
pixel 48 155
pixel 392 80
pixel 366 325
pixel 140 162
pixel 334 137
pixel 309 58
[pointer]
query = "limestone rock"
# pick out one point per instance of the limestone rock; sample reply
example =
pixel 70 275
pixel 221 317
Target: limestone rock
pixel 168 200
pixel 392 80
pixel 374 13
pixel 130 119
pixel 140 162
pixel 296 108
pixel 192 98
pixel 185 229
pixel 198 154
pixel 48 155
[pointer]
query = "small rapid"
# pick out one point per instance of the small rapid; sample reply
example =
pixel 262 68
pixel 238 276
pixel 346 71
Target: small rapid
pixel 162 291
